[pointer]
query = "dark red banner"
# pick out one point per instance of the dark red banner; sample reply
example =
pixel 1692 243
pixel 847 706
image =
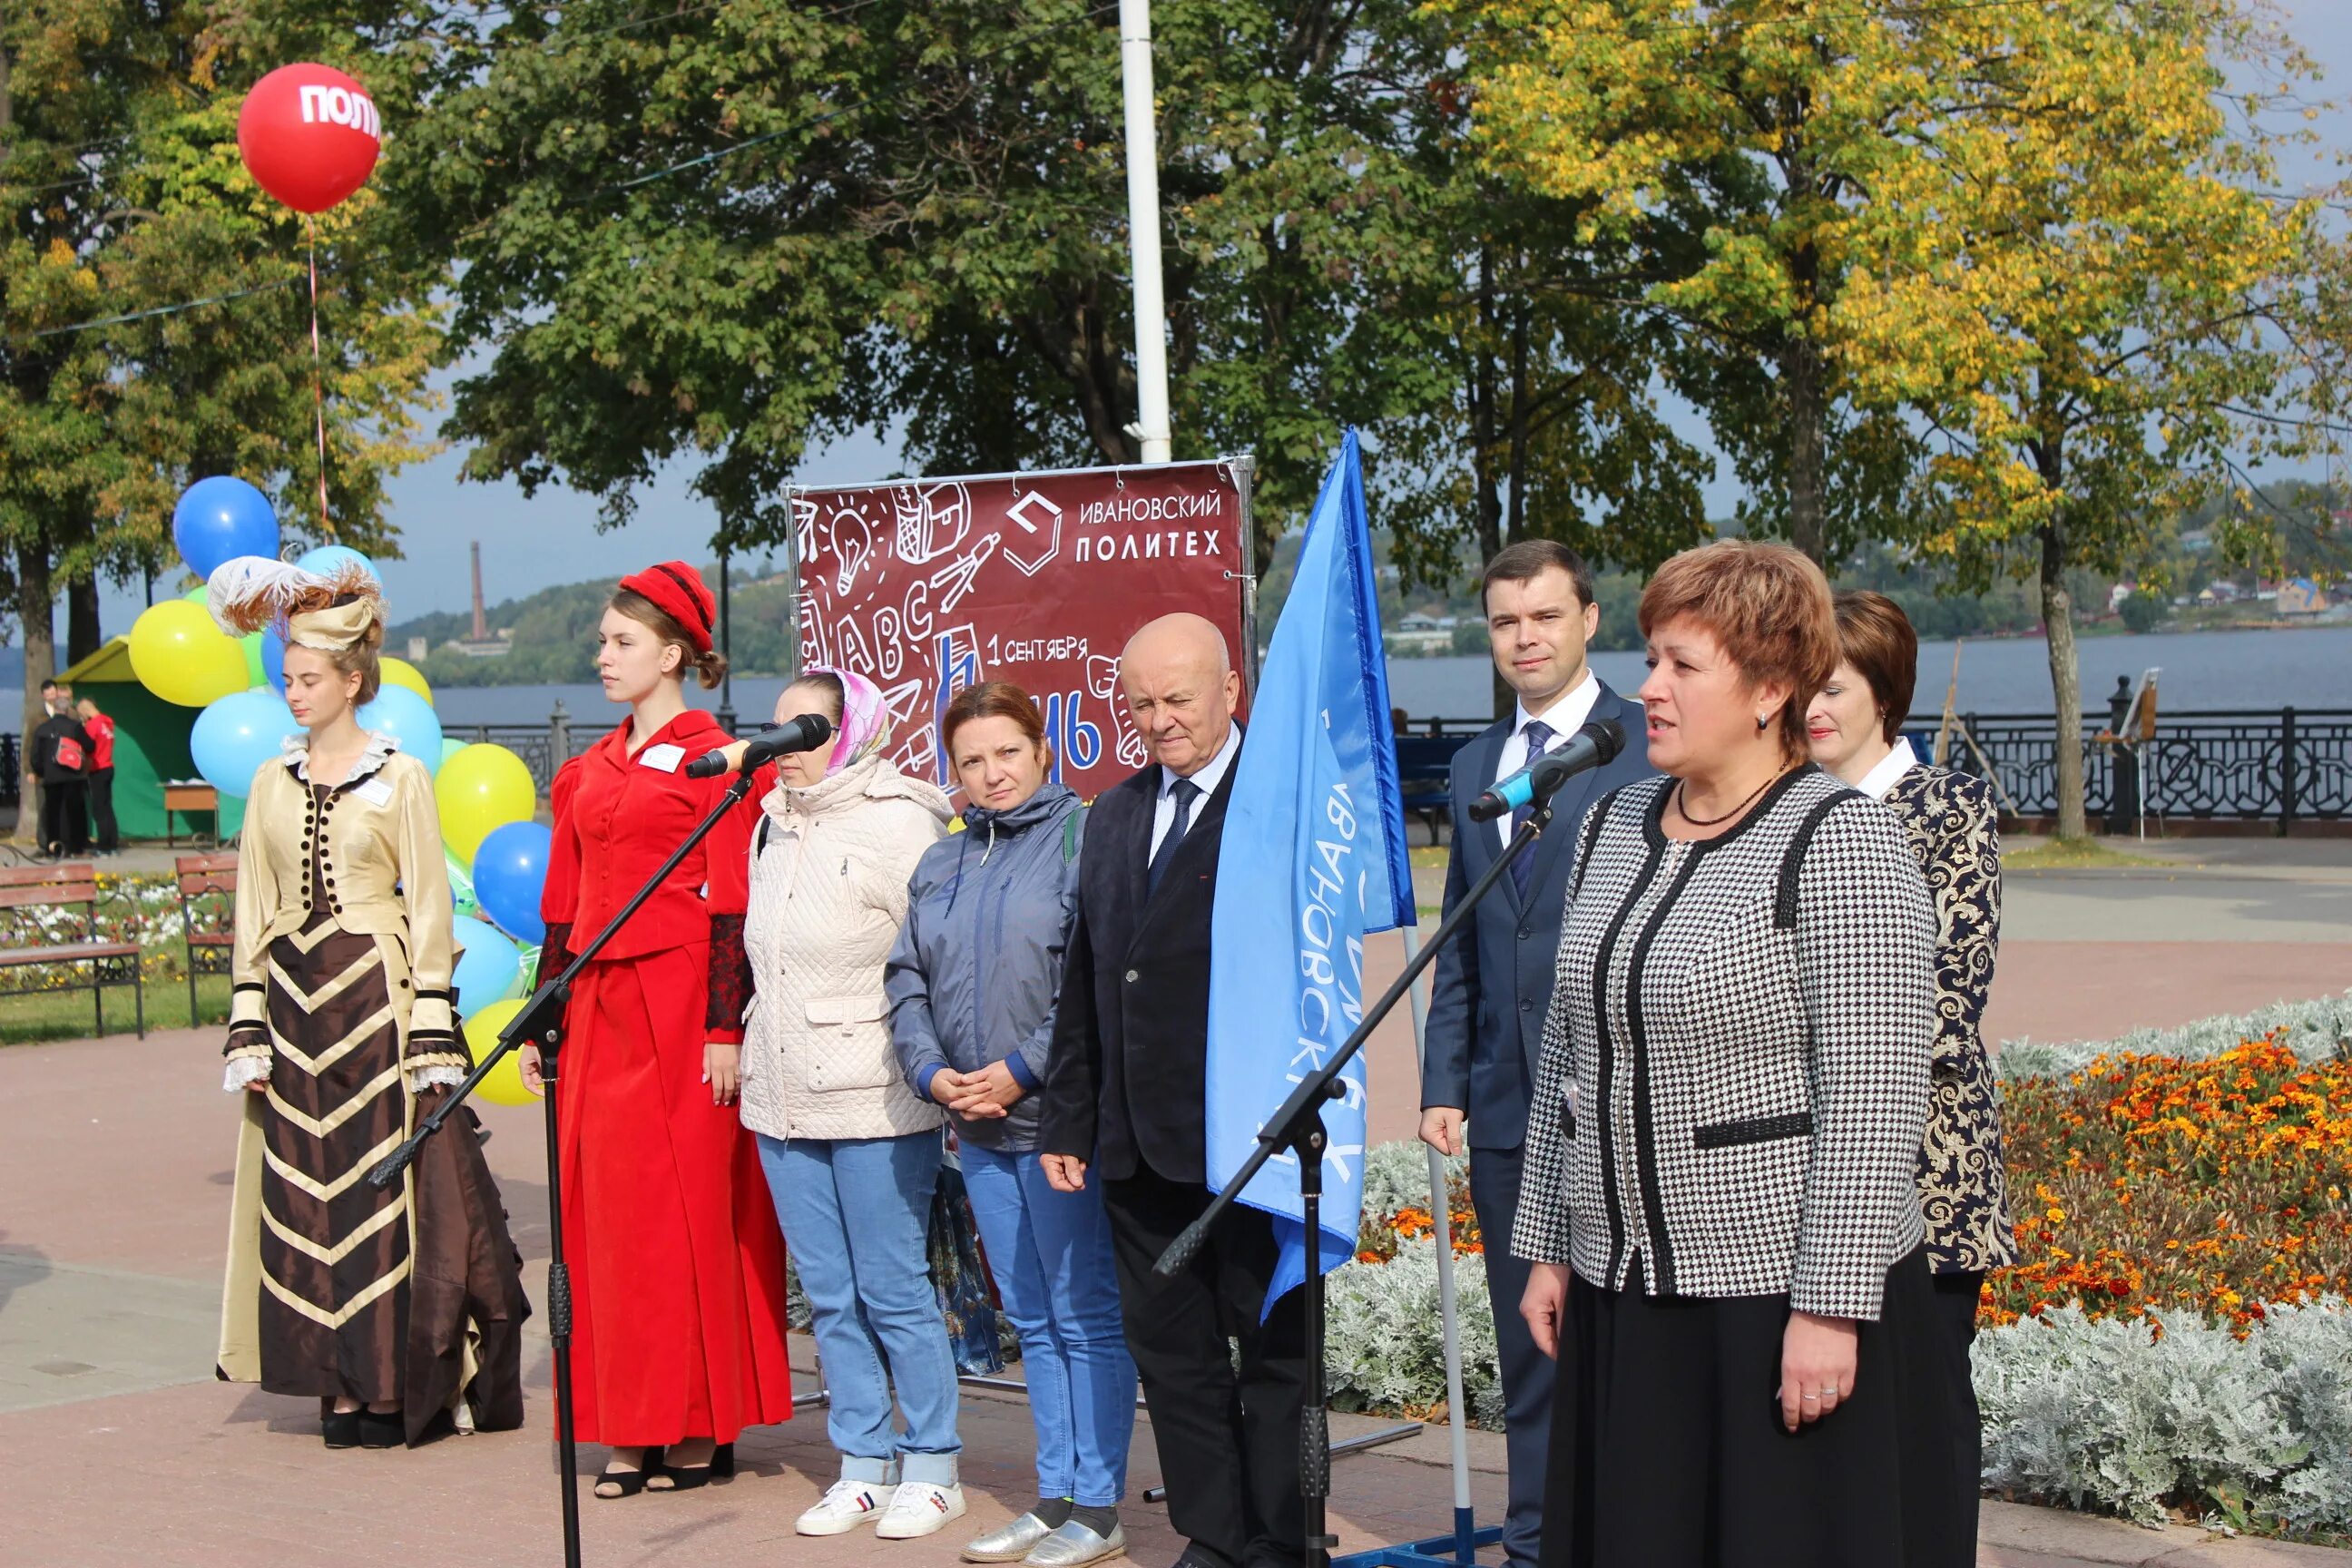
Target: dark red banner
pixel 931 586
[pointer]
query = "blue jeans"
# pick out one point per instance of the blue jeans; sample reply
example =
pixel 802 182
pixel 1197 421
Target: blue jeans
pixel 856 1213
pixel 1050 1254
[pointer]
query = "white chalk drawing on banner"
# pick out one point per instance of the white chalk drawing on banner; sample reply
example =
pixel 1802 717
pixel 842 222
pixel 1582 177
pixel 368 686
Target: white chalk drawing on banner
pixel 917 752
pixel 803 526
pixel 1040 521
pixel 817 643
pixel 898 627
pixel 956 580
pixel 933 520
pixel 1102 681
pixel 849 650
pixel 848 538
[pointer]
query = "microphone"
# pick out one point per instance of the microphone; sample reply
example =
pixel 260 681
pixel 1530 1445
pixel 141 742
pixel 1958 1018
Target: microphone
pixel 805 733
pixel 1591 747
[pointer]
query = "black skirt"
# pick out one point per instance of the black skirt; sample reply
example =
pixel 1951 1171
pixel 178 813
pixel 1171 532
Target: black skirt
pixel 1667 1449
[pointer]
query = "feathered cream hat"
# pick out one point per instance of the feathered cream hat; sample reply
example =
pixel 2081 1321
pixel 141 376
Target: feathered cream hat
pixel 251 591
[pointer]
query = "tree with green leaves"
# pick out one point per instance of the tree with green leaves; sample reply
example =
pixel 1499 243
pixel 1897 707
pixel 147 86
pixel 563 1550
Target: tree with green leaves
pixel 2094 294
pixel 154 312
pixel 1733 147
pixel 723 233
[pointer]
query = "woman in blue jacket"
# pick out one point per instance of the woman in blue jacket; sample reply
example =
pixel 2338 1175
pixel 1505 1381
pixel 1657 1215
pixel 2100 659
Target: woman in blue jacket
pixel 972 985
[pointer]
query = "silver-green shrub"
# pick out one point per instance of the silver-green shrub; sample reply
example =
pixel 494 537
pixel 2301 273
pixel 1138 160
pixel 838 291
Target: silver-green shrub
pixel 2318 1030
pixel 2107 1416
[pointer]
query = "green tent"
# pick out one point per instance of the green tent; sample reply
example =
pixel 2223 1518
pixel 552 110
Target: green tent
pixel 150 745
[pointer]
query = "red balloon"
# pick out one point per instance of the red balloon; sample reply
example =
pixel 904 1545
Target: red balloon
pixel 309 136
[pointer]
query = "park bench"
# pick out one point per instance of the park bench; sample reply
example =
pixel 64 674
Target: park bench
pixel 26 894
pixel 1425 764
pixel 207 915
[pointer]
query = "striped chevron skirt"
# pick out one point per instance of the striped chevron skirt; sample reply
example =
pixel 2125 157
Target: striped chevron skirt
pixel 409 1293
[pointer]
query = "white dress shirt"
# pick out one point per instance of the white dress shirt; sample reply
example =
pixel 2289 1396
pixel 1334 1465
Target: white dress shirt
pixel 1891 767
pixel 1164 810
pixel 1566 717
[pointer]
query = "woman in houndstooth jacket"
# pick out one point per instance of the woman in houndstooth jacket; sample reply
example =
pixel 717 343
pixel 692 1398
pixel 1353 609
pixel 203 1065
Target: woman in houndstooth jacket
pixel 1719 1199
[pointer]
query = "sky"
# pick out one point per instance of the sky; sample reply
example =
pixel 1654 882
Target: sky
pixel 552 538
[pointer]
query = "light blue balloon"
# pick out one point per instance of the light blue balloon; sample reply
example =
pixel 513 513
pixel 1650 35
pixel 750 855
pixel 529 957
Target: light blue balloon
pixel 328 559
pixel 220 519
pixel 400 713
pixel 273 657
pixel 233 736
pixel 487 970
pixel 510 872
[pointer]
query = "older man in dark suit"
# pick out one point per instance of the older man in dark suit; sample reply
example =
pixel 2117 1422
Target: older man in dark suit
pixel 1124 1105
pixel 1493 981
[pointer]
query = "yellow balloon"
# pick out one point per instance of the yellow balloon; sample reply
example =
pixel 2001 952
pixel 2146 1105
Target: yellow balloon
pixel 504 1086
pixel 400 672
pixel 181 655
pixel 481 789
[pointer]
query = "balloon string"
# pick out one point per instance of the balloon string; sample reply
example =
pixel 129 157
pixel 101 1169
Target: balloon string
pixel 317 382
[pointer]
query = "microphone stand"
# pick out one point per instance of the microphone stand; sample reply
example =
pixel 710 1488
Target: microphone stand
pixel 541 1023
pixel 1297 1127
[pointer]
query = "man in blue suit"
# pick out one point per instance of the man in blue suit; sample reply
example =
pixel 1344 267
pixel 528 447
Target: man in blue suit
pixel 1494 978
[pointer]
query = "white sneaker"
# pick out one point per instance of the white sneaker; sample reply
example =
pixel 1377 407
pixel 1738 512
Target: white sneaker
pixel 846 1505
pixel 919 1508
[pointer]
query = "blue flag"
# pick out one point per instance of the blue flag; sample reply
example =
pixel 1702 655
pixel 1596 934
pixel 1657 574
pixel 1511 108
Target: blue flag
pixel 1313 861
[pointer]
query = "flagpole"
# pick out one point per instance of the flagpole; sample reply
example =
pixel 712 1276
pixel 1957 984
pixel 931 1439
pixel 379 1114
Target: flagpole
pixel 1466 1518
pixel 1150 427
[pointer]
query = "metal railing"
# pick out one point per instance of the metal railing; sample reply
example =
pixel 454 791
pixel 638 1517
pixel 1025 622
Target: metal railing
pixel 2283 765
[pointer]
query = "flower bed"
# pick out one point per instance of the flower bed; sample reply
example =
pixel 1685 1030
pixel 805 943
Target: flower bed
pixel 2153 1186
pixel 2176 1339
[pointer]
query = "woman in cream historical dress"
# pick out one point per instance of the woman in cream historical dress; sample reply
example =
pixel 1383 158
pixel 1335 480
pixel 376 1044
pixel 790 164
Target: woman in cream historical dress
pixel 390 1306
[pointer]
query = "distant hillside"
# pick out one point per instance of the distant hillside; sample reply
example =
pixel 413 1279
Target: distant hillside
pixel 554 634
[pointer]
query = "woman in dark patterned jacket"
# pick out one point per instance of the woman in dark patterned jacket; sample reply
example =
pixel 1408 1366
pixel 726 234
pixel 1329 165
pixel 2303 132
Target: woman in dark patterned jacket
pixel 1720 1201
pixel 1855 729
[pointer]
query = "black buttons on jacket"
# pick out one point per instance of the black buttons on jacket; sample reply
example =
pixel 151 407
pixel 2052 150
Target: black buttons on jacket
pixel 1527 1005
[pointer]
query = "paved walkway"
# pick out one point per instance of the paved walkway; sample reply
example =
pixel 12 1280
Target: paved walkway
pixel 117 1448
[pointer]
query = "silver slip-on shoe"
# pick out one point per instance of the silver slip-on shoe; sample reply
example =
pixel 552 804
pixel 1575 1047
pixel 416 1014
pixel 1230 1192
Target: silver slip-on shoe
pixel 1007 1542
pixel 1073 1545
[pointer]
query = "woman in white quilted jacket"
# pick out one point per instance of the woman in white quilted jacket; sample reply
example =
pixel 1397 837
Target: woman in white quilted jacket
pixel 851 1153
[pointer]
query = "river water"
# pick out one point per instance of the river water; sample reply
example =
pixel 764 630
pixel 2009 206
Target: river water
pixel 2309 667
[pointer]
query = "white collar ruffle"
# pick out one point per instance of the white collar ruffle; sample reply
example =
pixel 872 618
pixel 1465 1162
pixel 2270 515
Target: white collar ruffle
pixel 295 753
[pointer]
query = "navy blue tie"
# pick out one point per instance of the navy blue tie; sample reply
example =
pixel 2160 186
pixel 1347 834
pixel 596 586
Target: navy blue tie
pixel 1184 792
pixel 1522 869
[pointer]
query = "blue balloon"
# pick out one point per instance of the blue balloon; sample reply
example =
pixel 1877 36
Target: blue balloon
pixel 235 736
pixel 273 657
pixel 328 559
pixel 399 713
pixel 510 870
pixel 219 518
pixel 487 970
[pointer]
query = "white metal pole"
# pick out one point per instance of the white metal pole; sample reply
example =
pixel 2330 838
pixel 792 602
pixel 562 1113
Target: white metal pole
pixel 1151 426
pixel 1440 1213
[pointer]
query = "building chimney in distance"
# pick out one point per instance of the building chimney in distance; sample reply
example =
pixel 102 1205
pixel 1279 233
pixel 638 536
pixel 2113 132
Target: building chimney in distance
pixel 481 627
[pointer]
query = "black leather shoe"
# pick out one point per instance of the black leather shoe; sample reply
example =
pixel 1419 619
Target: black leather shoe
pixel 341 1428
pixel 386 1431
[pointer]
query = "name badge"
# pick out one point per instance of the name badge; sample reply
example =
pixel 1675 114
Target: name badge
pixel 665 757
pixel 374 790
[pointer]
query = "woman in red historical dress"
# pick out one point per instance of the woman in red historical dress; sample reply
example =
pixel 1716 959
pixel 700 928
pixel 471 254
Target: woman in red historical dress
pixel 678 1273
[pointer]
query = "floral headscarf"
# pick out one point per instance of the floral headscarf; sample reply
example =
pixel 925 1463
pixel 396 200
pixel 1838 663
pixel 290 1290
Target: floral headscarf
pixel 865 726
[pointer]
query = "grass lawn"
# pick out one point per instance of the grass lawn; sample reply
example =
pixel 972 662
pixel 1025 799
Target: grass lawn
pixel 2071 855
pixel 31 1017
